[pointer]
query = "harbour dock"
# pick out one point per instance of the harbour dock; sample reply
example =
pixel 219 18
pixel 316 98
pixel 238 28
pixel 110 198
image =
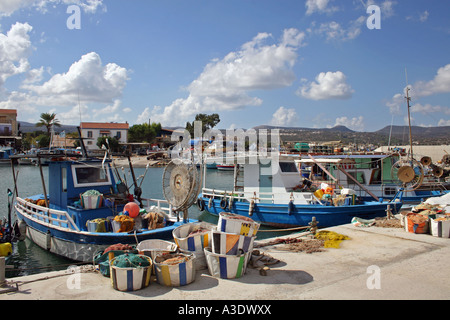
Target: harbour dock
pixel 374 264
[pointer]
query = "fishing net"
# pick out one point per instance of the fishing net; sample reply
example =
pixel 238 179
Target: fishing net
pixel 129 260
pixel 332 239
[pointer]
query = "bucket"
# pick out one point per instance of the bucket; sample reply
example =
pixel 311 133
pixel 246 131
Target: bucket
pixel 416 223
pixel 175 274
pixel 103 260
pixel 5 249
pixel 199 259
pixel 230 243
pixel 153 247
pixel 440 226
pixel 318 193
pixel 130 278
pixel 195 242
pixel 237 224
pixel 99 225
pixel 91 202
pixel 227 266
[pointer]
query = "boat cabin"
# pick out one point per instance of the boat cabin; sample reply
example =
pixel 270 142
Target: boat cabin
pixel 269 180
pixel 70 179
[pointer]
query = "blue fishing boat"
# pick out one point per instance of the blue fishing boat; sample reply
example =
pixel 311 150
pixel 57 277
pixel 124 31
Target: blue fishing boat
pixel 69 223
pixel 274 193
pixel 5 154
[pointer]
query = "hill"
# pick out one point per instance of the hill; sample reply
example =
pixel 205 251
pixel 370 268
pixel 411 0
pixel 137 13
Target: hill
pixel 27 127
pixel 399 135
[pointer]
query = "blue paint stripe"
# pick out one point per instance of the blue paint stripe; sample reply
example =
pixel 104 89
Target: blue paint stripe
pixel 191 244
pixel 224 224
pixel 182 270
pixel 129 280
pixel 223 267
pixel 246 245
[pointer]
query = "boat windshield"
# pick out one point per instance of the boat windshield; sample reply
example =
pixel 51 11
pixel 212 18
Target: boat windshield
pixel 88 176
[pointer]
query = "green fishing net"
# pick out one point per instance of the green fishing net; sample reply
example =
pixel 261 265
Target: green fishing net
pixel 130 260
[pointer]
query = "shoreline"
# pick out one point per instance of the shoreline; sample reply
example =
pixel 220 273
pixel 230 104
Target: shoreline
pixel 139 162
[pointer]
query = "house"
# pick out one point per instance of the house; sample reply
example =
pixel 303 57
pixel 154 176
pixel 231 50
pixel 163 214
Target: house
pixel 9 130
pixel 91 131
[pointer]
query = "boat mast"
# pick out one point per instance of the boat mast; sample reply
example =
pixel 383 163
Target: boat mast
pixel 408 99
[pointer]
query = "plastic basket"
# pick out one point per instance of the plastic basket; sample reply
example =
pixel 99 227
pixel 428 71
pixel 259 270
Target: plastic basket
pixel 196 242
pixel 176 275
pixel 234 223
pixel 130 279
pixel 227 266
pixel 230 243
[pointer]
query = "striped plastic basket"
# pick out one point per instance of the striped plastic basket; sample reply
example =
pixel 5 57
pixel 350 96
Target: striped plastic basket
pixel 234 223
pixel 130 279
pixel 230 243
pixel 196 242
pixel 175 275
pixel 227 266
pixel 91 202
pixel 439 228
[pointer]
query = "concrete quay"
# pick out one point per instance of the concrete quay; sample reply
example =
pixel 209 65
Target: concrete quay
pixel 375 264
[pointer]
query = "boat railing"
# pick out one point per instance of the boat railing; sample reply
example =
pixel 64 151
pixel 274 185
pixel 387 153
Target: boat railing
pixel 307 197
pixel 52 217
pixel 161 205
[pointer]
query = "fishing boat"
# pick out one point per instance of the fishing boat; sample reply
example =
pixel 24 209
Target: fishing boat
pixel 5 154
pixel 225 167
pixel 370 176
pixel 60 221
pixel 274 193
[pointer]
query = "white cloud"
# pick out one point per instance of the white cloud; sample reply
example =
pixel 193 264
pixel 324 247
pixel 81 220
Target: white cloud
pixel 329 85
pixel 284 117
pixel 34 76
pixel 320 6
pixel 333 31
pixel 428 108
pixel 443 123
pixel 15 46
pixel 438 85
pixel 225 84
pixel 87 80
pixel 424 16
pixel 356 123
pixel 8 7
pixel 387 7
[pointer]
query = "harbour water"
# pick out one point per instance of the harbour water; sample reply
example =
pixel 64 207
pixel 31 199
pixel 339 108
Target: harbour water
pixel 28 258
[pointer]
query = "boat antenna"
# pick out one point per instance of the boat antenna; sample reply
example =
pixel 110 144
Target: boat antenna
pixel 83 148
pixel 408 99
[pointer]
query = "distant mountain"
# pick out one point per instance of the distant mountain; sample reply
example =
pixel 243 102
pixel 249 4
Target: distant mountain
pixel 399 135
pixel 27 127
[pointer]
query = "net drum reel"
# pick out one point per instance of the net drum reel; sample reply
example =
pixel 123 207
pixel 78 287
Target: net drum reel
pixel 181 184
pixel 435 170
pixel 409 173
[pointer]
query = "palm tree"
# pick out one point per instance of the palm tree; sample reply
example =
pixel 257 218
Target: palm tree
pixel 48 120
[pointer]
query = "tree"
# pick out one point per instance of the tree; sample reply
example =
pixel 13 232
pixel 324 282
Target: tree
pixel 114 145
pixel 144 132
pixel 48 120
pixel 208 122
pixel 43 141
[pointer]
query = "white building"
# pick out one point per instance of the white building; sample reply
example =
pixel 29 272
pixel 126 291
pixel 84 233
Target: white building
pixel 91 131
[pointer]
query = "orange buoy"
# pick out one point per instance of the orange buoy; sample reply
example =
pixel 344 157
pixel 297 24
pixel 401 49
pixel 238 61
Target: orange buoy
pixel 132 208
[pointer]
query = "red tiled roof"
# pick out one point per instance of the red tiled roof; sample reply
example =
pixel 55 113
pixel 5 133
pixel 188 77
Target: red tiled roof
pixel 14 111
pixel 105 125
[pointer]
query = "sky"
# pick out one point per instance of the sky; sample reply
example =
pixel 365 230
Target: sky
pixel 295 63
